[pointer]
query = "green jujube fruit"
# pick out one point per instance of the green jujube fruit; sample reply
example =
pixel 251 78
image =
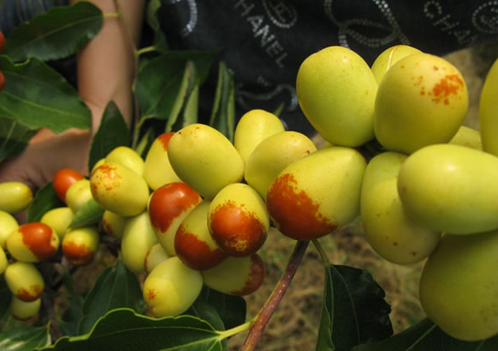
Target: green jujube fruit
pixel 8 224
pixel 336 91
pixel 387 229
pixel 488 111
pixel 127 157
pixel 389 57
pixel 451 189
pixel 459 286
pixel 157 168
pixel 15 197
pixel 468 137
pixel 59 219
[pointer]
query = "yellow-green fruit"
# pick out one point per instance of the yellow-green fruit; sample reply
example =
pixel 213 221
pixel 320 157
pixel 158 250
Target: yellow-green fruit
pixel 389 57
pixel 171 288
pixel 238 220
pixel 59 219
pixel 7 225
pixel 236 275
pixel 421 100
pixel 33 242
pixel 155 255
pixel 458 286
pixel 3 261
pixel 78 194
pixel 450 188
pixel 24 281
pixel 272 155
pixel 127 157
pixel 14 197
pixel 24 309
pixel 157 168
pixel 488 111
pixel 119 189
pixel 468 137
pixel 318 193
pixel 80 245
pixel 254 127
pixel 388 230
pixel 205 159
pixel 336 91
pixel 114 224
pixel 138 238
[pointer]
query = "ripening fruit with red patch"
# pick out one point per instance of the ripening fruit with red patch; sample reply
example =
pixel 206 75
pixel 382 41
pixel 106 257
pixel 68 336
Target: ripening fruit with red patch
pixel 168 207
pixel 15 197
pixel 24 281
pixel 171 288
pixel 236 275
pixel 205 159
pixel 114 224
pixel 63 179
pixel 8 224
pixel 119 189
pixel 138 238
pixel 238 220
pixel 154 256
pixel 78 194
pixel 157 168
pixel 2 81
pixel 59 219
pixel 127 157
pixel 80 245
pixel 24 309
pixel 318 193
pixel 2 41
pixel 193 242
pixel 33 242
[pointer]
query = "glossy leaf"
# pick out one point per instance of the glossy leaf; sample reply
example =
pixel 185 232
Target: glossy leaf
pixel 123 329
pixel 89 214
pixel 38 97
pixel 24 338
pixel 232 309
pixel 14 138
pixel 354 310
pixel 56 34
pixel 113 132
pixel 426 336
pixel 73 314
pixel 45 199
pixel 223 112
pixel 115 287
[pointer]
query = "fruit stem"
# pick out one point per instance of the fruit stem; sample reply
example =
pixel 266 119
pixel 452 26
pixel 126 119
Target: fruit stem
pixel 321 252
pixel 145 50
pixel 268 309
pixel 235 330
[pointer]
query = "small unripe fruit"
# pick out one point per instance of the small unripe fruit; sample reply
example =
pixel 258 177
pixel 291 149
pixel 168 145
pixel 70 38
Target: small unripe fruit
pixel 59 219
pixel 15 197
pixel 33 242
pixel 114 224
pixel 238 220
pixel 236 275
pixel 138 238
pixel 389 57
pixel 155 255
pixel 205 159
pixel 168 207
pixel 127 157
pixel 157 168
pixel 3 261
pixel 7 225
pixel 80 245
pixel 171 288
pixel 63 179
pixel 24 281
pixel 24 309
pixel 78 194
pixel 193 242
pixel 119 189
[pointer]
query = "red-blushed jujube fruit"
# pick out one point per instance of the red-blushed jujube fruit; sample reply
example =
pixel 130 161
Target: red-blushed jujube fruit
pixel 154 256
pixel 138 238
pixel 2 41
pixel 168 207
pixel 24 280
pixel 114 224
pixel 2 81
pixel 193 242
pixel 236 275
pixel 8 224
pixel 171 288
pixel 15 197
pixel 119 189
pixel 318 193
pixel 24 310
pixel 59 219
pixel 205 159
pixel 238 220
pixel 80 245
pixel 63 179
pixel 127 157
pixel 157 168
pixel 78 194
pixel 33 242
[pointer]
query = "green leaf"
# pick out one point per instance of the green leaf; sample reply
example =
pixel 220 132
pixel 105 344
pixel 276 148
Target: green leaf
pixel 123 329
pixel 115 287
pixel 354 310
pixel 14 138
pixel 24 338
pixel 73 314
pixel 56 34
pixel 426 336
pixel 88 214
pixel 232 309
pixel 223 112
pixel 38 97
pixel 45 200
pixel 113 132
